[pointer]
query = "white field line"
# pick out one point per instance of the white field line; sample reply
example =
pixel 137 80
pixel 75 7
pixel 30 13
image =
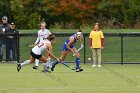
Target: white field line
pixel 59 88
pixel 84 75
pixel 62 88
pixel 50 88
pixel 7 67
pixel 133 76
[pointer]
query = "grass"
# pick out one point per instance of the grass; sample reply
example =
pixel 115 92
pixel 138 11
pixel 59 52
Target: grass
pixel 107 79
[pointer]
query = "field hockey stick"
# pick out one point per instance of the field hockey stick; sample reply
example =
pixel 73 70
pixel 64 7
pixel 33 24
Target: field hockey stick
pixel 31 45
pixel 68 66
pixel 77 51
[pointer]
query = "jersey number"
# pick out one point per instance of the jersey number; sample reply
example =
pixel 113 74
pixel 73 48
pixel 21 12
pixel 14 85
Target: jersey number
pixel 41 44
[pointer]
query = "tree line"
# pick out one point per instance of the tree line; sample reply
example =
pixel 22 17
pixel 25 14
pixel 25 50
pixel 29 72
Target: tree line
pixel 72 13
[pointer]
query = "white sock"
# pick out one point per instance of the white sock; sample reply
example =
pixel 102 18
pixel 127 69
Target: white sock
pixel 49 63
pixel 44 66
pixel 36 62
pixel 25 63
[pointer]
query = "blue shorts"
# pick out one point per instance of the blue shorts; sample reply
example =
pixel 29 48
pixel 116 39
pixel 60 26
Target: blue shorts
pixel 64 47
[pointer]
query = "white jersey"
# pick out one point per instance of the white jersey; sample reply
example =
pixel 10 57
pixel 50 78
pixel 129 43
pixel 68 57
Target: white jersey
pixel 41 35
pixel 40 48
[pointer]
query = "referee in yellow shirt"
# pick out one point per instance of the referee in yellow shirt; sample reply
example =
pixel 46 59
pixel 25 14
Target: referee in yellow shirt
pixel 96 42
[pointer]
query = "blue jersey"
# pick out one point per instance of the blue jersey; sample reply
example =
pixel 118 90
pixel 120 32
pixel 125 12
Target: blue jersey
pixel 64 47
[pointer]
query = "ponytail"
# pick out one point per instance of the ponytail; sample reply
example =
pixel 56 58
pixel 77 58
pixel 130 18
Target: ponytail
pixel 51 37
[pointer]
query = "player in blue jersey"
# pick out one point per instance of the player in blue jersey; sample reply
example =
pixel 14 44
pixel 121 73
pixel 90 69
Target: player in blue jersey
pixel 68 46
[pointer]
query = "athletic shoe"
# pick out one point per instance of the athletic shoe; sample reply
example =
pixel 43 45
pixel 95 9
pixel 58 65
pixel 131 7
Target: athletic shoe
pixel 79 70
pixel 52 69
pixel 45 71
pixel 18 67
pixel 35 67
pixel 93 66
pixel 99 66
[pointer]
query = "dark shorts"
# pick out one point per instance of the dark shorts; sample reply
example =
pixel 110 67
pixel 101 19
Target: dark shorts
pixel 35 56
pixel 64 47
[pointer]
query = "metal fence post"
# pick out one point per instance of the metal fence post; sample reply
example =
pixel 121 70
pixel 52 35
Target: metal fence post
pixel 84 49
pixel 121 48
pixel 18 48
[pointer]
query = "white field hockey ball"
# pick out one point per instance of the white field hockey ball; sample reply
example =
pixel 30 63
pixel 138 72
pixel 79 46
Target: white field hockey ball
pixel 89 58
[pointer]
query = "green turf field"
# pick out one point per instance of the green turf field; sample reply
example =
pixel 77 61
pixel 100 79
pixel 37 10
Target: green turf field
pixel 107 79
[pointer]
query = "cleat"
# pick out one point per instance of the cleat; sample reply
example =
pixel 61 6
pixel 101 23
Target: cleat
pixel 35 67
pixel 79 70
pixel 45 71
pixel 99 66
pixel 18 67
pixel 52 69
pixel 93 66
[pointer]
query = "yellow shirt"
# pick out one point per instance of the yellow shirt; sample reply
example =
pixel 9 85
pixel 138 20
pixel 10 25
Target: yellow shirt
pixel 96 38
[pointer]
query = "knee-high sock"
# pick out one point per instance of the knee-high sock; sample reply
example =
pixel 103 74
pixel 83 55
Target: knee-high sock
pixel 25 63
pixel 49 62
pixel 54 63
pixel 44 66
pixel 77 63
pixel 36 62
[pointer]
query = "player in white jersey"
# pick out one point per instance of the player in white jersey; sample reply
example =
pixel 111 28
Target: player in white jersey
pixel 36 52
pixel 42 33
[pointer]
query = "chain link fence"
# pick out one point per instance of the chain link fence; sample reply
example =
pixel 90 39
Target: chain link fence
pixel 120 48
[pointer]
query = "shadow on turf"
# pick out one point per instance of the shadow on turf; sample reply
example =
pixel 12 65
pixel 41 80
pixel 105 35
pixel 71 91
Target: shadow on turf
pixel 130 81
pixel 57 79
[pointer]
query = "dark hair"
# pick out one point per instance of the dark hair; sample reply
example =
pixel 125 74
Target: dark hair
pixel 51 37
pixel 79 30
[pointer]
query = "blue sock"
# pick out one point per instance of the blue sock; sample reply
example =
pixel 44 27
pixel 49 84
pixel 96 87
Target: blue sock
pixel 77 63
pixel 54 63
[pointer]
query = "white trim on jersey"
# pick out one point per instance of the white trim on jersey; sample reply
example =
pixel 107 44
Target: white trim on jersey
pixel 41 35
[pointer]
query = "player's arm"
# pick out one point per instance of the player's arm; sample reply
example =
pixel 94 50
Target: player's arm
pixel 90 40
pixel 49 46
pixel 37 40
pixel 49 32
pixel 80 42
pixel 102 39
pixel 70 43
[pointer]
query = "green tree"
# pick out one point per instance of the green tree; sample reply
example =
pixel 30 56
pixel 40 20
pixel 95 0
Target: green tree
pixel 130 10
pixel 4 9
pixel 126 11
pixel 26 12
pixel 70 10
